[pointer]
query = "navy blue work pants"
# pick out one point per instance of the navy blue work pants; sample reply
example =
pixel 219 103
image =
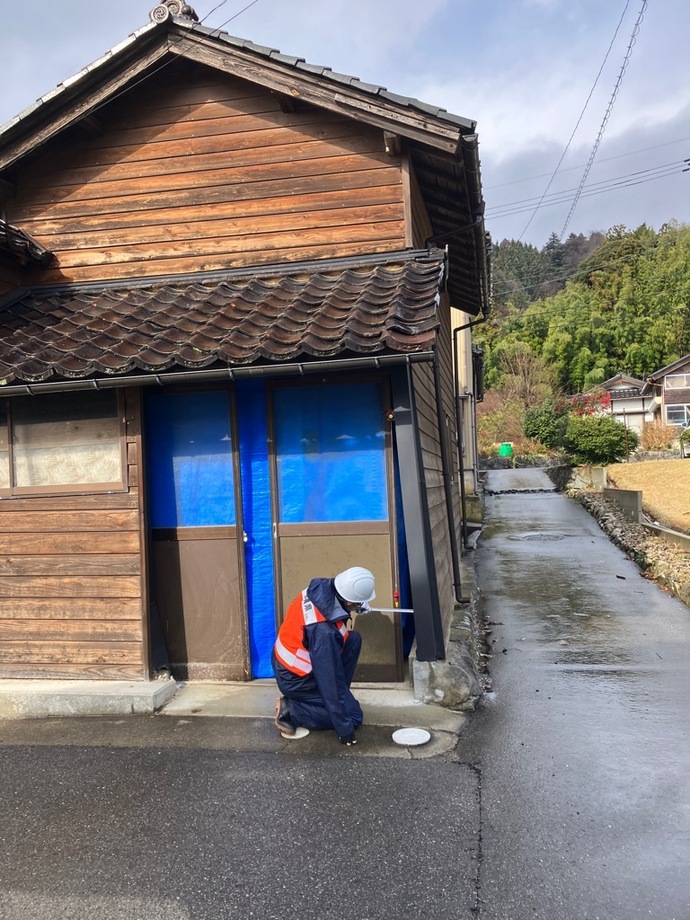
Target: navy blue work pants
pixel 305 700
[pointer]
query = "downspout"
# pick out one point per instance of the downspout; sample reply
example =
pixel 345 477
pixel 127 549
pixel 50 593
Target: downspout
pixel 427 614
pixel 459 423
pixel 445 470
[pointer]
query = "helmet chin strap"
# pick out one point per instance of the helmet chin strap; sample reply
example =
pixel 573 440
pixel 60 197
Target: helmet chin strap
pixel 345 604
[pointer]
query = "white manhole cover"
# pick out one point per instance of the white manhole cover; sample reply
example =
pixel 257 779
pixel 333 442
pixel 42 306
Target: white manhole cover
pixel 300 732
pixel 411 736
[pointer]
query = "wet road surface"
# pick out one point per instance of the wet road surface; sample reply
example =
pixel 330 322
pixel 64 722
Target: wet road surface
pixel 566 797
pixel 584 744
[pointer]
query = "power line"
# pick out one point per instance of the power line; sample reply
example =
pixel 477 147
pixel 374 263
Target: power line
pixel 596 188
pixel 619 156
pixel 607 115
pixel 577 124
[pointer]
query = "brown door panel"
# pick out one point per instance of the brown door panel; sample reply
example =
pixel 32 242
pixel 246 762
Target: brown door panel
pixel 326 552
pixel 197 588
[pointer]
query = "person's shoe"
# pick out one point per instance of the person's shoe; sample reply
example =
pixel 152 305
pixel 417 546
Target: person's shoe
pixel 282 720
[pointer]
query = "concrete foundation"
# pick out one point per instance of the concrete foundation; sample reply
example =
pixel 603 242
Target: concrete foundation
pixel 25 699
pixel 454 682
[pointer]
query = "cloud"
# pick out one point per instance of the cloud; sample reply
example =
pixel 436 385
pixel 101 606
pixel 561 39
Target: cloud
pixel 522 69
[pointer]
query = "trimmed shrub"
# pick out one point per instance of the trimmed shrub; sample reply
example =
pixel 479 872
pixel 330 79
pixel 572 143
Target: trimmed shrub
pixel 598 439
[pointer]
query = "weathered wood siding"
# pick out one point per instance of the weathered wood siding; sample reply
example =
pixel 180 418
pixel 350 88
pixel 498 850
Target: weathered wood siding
pixel 677 396
pixel 421 229
pixel 427 412
pixel 72 583
pixel 427 415
pixel 195 171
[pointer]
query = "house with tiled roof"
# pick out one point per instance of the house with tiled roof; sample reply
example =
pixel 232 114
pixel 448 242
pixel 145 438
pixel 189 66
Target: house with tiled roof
pixel 669 388
pixel 627 402
pixel 235 295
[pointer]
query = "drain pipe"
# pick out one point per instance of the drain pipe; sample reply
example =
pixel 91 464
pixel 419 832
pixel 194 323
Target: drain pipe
pixel 445 470
pixel 459 423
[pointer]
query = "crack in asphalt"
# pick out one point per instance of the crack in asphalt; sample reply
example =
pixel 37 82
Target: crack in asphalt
pixel 476 907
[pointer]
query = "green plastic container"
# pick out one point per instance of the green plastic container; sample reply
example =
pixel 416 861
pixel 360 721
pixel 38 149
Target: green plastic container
pixel 505 450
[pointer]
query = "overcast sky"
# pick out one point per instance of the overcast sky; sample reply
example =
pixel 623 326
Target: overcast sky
pixel 523 69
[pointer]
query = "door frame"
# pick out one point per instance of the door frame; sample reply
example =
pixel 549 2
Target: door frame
pixel 382 382
pixel 229 391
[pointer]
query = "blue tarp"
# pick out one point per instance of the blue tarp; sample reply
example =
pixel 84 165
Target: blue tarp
pixel 330 454
pixel 256 512
pixel 190 460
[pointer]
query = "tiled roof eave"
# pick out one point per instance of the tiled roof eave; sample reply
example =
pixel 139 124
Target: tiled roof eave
pixel 381 306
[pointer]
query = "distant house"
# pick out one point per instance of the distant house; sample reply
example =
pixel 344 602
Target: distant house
pixel 669 387
pixel 627 402
pixel 229 281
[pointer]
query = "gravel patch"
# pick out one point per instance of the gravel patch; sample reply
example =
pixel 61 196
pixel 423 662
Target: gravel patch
pixel 664 563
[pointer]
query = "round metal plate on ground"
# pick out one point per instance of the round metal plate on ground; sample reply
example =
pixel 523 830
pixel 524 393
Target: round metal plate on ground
pixel 300 732
pixel 411 736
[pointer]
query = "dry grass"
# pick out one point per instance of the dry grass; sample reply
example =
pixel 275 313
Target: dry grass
pixel 665 487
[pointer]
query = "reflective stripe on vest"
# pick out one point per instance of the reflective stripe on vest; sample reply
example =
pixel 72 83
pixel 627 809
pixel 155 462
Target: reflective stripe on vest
pixel 288 647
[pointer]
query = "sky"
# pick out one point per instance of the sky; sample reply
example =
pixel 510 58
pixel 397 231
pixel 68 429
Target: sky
pixel 582 110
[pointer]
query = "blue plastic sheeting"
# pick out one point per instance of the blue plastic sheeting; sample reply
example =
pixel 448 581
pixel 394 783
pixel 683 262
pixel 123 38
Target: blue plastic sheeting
pixel 256 511
pixel 330 449
pixel 190 459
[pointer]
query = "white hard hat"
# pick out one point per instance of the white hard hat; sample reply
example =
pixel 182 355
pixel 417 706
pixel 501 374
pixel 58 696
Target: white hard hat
pixel 355 585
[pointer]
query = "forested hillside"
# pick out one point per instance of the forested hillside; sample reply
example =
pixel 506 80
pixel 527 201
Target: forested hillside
pixel 571 315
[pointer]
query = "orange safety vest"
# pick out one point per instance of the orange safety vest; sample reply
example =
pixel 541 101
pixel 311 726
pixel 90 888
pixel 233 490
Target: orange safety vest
pixel 289 647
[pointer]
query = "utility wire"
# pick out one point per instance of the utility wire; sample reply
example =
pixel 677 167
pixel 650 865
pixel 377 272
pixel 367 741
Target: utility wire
pixel 577 124
pixel 596 188
pixel 607 114
pixel 619 156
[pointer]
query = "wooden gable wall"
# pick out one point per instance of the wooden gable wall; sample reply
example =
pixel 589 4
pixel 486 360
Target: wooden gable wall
pixel 194 170
pixel 676 396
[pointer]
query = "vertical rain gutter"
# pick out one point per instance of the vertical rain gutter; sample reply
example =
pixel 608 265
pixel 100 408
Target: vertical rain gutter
pixel 459 422
pixel 445 472
pixel 423 582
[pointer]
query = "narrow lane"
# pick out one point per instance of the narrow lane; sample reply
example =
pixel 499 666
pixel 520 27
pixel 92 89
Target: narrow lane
pixel 584 744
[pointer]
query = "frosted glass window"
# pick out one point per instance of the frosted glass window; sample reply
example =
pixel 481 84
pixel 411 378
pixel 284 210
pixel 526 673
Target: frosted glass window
pixel 66 439
pixel 677 381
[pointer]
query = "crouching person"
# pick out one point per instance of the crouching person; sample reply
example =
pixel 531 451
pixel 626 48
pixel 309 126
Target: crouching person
pixel 315 656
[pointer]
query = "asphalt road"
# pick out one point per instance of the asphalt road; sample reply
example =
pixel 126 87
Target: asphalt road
pixel 155 817
pixel 566 797
pixel 585 744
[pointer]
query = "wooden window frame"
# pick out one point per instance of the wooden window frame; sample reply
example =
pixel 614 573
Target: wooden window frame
pixel 679 386
pixel 86 488
pixel 683 406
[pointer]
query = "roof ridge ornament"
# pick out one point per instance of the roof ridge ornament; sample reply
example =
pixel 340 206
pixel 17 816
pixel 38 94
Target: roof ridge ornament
pixel 170 8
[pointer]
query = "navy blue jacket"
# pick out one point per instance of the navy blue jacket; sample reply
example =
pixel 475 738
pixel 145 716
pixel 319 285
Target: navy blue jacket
pixel 325 645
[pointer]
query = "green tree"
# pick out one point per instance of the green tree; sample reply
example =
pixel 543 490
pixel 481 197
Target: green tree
pixel 547 424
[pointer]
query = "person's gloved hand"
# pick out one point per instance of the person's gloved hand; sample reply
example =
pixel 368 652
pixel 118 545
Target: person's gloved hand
pixel 349 740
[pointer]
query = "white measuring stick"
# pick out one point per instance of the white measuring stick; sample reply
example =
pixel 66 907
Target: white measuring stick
pixel 390 610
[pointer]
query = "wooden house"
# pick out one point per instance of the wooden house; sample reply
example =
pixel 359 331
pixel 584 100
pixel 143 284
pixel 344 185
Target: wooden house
pixel 227 282
pixel 627 403
pixel 669 387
